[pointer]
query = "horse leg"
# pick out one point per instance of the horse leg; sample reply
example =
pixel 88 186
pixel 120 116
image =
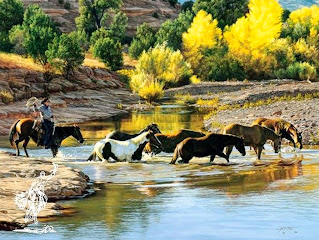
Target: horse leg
pixel 17 146
pixel 92 156
pixel 259 150
pixel 54 151
pixel 229 149
pixel 221 154
pixel 25 144
pixel 212 157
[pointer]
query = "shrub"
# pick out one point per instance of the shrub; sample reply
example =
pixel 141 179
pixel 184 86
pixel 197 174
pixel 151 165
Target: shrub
pixel 218 65
pixel 109 51
pixel 16 36
pixel 65 53
pixel 144 39
pixel 225 11
pixel 67 5
pixel 6 97
pixel 5 44
pixel 171 31
pixel 158 68
pixel 300 71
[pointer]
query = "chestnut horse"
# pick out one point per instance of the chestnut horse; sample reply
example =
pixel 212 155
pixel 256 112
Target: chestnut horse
pixel 169 141
pixel 122 150
pixel 25 129
pixel 209 145
pixel 255 136
pixel 280 126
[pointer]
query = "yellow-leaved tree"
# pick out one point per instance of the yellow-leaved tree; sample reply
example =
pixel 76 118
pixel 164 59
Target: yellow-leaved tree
pixel 158 67
pixel 203 33
pixel 250 36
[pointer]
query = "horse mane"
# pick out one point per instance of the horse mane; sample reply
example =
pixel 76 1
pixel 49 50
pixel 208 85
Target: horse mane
pixel 139 138
pixel 270 133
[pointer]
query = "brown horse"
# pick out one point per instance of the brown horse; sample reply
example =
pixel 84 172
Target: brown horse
pixel 209 145
pixel 169 141
pixel 255 136
pixel 280 126
pixel 25 129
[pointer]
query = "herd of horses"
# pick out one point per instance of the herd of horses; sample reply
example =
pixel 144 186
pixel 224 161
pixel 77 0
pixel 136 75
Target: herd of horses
pixel 184 144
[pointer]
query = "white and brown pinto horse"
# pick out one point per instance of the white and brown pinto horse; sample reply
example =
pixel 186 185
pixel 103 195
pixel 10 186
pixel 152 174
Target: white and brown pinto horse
pixel 128 150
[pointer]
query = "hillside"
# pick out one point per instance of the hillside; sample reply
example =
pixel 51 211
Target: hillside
pixel 154 12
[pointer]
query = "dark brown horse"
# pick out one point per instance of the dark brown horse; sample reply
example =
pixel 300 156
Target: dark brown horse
pixel 170 141
pixel 255 136
pixel 122 136
pixel 210 145
pixel 282 127
pixel 26 129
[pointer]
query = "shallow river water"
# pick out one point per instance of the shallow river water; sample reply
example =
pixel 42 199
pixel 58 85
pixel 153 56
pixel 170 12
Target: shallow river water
pixel 155 200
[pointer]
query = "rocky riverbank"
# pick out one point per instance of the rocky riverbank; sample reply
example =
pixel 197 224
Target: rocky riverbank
pixel 294 101
pixel 17 175
pixel 91 94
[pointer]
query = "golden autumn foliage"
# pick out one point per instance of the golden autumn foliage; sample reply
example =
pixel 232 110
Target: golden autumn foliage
pixel 306 15
pixel 250 36
pixel 156 68
pixel 203 33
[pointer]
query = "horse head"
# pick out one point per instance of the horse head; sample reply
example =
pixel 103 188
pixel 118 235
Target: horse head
pixel 154 128
pixel 240 146
pixel 297 137
pixel 277 143
pixel 77 134
pixel 153 140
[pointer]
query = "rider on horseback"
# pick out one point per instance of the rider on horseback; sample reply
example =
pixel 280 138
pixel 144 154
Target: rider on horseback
pixel 47 120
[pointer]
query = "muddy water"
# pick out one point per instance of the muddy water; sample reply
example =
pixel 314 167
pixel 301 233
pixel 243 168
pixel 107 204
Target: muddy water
pixel 155 200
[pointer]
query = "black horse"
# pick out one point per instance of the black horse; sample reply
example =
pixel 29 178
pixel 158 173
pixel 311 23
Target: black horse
pixel 24 130
pixel 122 136
pixel 209 145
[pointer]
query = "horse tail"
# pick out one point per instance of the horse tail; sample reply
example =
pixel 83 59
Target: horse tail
pixel 175 155
pixel 13 131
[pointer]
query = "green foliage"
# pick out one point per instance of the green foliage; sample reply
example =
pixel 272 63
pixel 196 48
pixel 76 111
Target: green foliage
pixel 297 71
pixel 171 31
pixel 6 97
pixel 187 6
pixel 16 36
pixel 40 30
pixel 67 5
pixel 218 65
pixel 65 53
pixel 11 13
pixel 172 2
pixel 118 26
pixel 109 51
pixel 144 39
pixel 94 14
pixel 225 11
pixel 5 44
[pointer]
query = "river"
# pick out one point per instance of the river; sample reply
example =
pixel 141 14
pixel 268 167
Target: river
pixel 155 200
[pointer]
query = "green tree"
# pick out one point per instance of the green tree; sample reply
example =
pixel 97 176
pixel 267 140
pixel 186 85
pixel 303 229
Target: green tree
pixel 109 51
pixel 225 11
pixel 94 14
pixel 144 40
pixel 115 31
pixel 65 53
pixel 40 30
pixel 187 6
pixel 11 13
pixel 16 37
pixel 171 31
